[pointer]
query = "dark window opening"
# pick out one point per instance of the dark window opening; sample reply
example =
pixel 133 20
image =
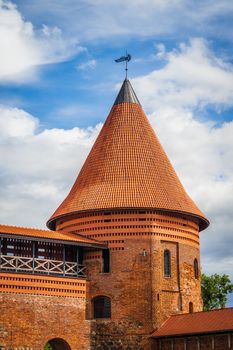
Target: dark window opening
pixel 102 307
pixel 57 344
pixel 190 307
pixel 196 274
pixel 70 253
pixel 106 260
pixel 167 263
pixel 80 255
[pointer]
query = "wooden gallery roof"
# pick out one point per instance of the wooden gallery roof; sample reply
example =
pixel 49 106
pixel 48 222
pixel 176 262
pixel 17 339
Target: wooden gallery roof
pixel 48 236
pixel 127 168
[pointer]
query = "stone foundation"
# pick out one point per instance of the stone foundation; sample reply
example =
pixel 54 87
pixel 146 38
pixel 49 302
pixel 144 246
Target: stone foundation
pixel 118 336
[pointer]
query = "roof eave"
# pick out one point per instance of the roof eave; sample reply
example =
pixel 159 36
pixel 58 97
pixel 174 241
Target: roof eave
pixel 59 241
pixel 177 335
pixel 203 222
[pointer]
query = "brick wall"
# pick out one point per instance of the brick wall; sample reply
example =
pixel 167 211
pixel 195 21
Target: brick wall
pixel 173 294
pixel 30 321
pixel 142 298
pixel 129 286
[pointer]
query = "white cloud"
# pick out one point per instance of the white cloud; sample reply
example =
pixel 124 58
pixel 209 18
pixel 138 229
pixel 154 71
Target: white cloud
pixel 16 123
pixel 23 48
pixel 101 19
pixel 37 168
pixel 90 64
pixel 192 77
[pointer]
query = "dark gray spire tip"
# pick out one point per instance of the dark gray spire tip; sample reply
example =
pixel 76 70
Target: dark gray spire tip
pixel 126 94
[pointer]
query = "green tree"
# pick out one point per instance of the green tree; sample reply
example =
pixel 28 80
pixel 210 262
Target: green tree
pixel 214 290
pixel 48 347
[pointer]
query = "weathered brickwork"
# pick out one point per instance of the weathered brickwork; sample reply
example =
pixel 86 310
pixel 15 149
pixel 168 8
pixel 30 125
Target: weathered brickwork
pixel 141 297
pixel 173 294
pixel 30 321
pixel 122 335
pixel 202 342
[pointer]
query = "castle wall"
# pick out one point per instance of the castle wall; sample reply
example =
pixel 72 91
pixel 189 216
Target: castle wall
pixel 141 297
pixel 173 294
pixel 28 322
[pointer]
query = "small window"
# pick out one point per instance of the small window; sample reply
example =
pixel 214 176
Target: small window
pixel 167 263
pixel 102 307
pixel 196 274
pixel 190 307
pixel 106 260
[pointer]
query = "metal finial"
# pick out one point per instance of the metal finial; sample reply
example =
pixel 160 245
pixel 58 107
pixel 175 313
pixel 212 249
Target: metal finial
pixel 125 59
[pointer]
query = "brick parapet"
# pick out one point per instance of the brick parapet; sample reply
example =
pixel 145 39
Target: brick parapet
pixel 19 283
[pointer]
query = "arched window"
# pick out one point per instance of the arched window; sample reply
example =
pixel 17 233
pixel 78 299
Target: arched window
pixel 196 274
pixel 167 263
pixel 102 307
pixel 57 344
pixel 190 307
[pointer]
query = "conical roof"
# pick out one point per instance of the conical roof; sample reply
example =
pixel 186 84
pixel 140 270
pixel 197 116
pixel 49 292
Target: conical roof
pixel 127 168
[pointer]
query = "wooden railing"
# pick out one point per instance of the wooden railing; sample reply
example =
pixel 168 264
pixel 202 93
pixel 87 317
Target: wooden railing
pixel 41 266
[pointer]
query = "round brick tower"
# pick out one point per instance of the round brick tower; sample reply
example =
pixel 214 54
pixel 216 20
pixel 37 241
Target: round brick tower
pixel 128 195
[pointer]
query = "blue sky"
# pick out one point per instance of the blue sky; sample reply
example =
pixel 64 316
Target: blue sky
pixel 58 80
pixel 90 74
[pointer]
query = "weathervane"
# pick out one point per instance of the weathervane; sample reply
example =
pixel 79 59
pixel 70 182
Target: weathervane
pixel 125 58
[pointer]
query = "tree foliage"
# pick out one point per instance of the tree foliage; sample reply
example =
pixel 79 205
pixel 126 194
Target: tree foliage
pixel 214 290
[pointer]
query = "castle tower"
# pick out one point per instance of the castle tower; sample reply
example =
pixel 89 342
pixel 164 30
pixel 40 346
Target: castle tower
pixel 128 195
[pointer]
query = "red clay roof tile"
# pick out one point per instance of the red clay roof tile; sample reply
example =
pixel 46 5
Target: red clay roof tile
pixel 197 323
pixel 127 168
pixel 46 234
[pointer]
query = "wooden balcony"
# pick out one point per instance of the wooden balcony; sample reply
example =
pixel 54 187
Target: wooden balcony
pixel 19 264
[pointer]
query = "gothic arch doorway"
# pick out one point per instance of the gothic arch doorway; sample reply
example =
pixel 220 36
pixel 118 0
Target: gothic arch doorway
pixel 57 344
